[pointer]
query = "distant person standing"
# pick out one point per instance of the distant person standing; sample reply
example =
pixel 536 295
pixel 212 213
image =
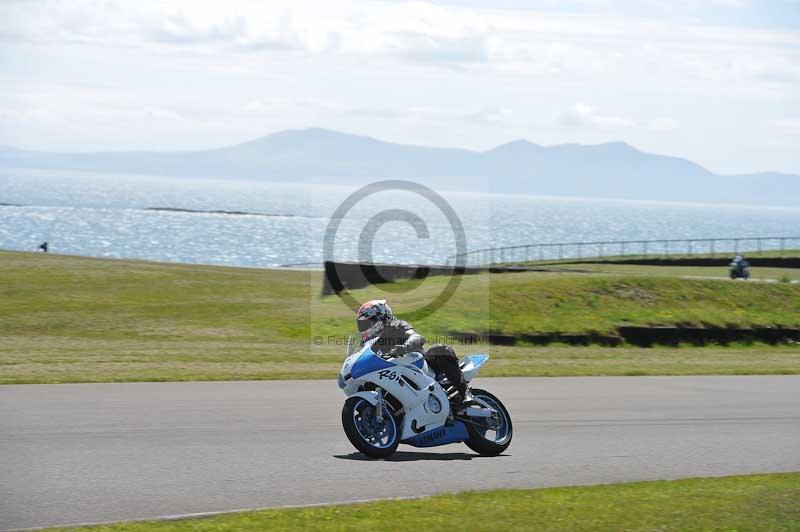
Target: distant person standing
pixel 43 247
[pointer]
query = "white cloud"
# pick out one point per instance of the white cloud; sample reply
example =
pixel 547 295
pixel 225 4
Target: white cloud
pixel 735 4
pixel 422 31
pixel 159 113
pixel 417 31
pixel 582 114
pixel 267 106
pixel 663 124
pixel 788 124
pixel 182 74
pixel 491 115
pixel 608 49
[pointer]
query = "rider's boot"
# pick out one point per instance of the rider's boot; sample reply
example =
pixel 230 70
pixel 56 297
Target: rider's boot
pixel 464 399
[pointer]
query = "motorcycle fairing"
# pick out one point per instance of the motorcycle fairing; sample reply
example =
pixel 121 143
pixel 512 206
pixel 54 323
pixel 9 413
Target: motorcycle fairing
pixel 367 363
pixel 402 378
pixel 470 365
pixel 439 436
pixel 370 396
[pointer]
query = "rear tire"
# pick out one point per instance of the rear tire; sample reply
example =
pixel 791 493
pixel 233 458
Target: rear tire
pixel 477 440
pixel 354 428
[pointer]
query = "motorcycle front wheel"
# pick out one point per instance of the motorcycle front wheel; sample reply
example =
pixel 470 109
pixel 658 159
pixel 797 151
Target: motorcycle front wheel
pixel 376 437
pixel 490 440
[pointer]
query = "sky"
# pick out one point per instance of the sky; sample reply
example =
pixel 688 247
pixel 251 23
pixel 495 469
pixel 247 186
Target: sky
pixel 715 81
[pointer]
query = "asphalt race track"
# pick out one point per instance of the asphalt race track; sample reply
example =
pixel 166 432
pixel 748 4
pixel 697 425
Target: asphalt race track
pixel 75 453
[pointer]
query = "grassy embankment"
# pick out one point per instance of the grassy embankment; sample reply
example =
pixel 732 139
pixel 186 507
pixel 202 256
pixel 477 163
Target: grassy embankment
pixel 710 272
pixel 758 502
pixel 614 265
pixel 72 319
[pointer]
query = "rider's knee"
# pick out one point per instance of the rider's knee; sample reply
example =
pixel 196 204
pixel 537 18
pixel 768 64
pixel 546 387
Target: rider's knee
pixel 438 350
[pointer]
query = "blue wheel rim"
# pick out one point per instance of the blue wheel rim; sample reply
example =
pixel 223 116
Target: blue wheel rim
pixel 379 433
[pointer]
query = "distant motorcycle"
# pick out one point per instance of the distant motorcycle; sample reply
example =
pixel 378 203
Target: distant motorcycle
pixel 401 400
pixel 739 270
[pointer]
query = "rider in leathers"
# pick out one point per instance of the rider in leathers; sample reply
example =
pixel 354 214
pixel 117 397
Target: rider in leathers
pixel 397 337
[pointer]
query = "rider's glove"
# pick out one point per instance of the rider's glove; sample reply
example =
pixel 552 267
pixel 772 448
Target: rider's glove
pixel 396 352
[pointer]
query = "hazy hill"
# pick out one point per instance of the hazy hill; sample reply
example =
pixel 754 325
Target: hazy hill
pixel 612 170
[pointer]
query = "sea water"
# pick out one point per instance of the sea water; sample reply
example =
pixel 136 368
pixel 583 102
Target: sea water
pixel 105 215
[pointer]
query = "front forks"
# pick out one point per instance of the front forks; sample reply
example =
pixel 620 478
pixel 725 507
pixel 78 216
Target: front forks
pixel 379 405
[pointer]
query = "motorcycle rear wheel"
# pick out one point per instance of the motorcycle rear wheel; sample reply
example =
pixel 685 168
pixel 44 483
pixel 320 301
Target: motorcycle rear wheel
pixel 479 441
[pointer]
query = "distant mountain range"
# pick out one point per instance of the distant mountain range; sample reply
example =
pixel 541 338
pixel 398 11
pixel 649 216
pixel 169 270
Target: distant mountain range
pixel 611 170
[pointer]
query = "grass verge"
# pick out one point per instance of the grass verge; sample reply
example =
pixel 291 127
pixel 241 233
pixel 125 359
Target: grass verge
pixel 757 502
pixel 758 273
pixel 76 319
pixel 59 360
pixel 675 256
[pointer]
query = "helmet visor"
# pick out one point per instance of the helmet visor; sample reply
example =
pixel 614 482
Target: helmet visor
pixel 365 323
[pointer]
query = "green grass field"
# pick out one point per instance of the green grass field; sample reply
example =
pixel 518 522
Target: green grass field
pixel 758 502
pixel 726 256
pixel 700 272
pixel 75 319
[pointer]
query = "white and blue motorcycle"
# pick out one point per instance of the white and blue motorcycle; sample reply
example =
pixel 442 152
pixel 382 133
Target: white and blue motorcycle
pixel 401 400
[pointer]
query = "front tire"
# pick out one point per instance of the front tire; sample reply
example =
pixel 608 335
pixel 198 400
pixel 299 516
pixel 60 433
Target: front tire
pixel 480 440
pixel 376 438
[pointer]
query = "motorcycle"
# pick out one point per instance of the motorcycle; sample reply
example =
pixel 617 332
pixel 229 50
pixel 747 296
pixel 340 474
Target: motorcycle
pixel 402 400
pixel 738 270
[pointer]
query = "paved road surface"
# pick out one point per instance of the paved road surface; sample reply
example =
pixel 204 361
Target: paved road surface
pixel 84 453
